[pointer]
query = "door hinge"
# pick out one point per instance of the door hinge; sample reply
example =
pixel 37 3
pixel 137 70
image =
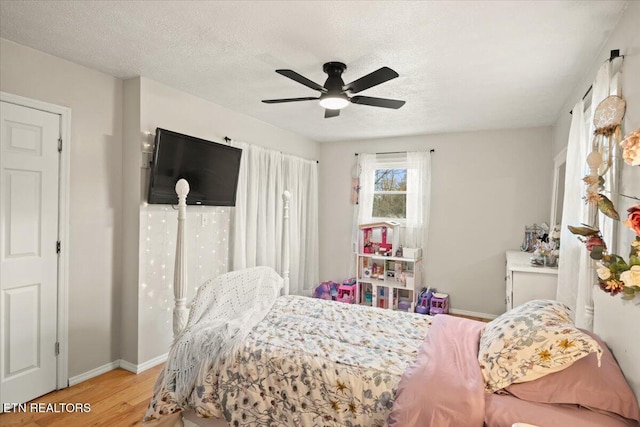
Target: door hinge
pixel 60 144
pixel 58 247
pixel 57 348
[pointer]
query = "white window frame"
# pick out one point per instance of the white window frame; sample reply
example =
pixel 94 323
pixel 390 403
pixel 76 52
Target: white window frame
pixel 381 164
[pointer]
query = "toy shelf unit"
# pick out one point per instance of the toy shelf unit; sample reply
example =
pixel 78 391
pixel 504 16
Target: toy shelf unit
pixel 388 281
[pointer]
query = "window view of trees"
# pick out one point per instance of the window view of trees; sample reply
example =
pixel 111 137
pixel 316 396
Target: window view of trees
pixel 390 193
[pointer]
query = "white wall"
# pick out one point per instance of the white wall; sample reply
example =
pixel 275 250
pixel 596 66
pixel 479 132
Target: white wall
pixel 486 187
pixel 96 192
pixel 131 161
pixel 168 108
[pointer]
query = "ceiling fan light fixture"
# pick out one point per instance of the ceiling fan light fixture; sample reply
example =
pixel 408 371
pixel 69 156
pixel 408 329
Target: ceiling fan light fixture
pixel 334 102
pixel 334 94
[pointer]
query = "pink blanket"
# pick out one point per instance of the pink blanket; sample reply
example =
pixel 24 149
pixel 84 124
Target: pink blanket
pixel 444 387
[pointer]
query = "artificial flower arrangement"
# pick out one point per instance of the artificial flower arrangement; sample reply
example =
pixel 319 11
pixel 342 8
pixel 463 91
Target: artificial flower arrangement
pixel 615 274
pixel 631 148
pixel 547 250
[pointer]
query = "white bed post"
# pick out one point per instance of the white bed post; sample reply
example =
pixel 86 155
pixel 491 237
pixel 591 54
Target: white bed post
pixel 286 198
pixel 180 312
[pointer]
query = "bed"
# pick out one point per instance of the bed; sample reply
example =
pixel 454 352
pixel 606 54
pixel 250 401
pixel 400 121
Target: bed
pixel 313 362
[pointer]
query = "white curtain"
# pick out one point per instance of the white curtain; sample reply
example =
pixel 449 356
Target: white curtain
pixel 573 270
pixel 301 178
pixel 368 166
pixel 257 218
pixel 418 199
pixel 576 277
pixel 362 211
pixel 611 85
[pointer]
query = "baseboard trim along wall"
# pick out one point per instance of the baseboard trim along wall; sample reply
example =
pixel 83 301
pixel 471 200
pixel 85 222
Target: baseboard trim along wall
pixel 136 369
pixel 473 314
pixel 94 373
pixel 127 366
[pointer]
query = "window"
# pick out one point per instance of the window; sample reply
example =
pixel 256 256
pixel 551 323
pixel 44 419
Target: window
pixel 389 187
pixel 390 194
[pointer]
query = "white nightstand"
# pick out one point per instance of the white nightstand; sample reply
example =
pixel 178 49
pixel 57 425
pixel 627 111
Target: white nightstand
pixel 526 282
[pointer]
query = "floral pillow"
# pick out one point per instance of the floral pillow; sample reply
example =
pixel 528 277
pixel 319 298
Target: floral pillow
pixel 529 342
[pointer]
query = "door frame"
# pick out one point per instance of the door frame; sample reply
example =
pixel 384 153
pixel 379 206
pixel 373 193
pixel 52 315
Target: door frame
pixel 62 363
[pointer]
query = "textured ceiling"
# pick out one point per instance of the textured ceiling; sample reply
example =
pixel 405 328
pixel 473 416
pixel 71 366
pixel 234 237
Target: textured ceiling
pixel 462 65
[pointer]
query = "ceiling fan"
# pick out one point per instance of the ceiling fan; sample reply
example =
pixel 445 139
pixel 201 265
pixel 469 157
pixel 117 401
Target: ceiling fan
pixel 333 94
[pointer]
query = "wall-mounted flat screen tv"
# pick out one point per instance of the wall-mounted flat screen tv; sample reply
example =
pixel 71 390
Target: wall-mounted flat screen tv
pixel 210 168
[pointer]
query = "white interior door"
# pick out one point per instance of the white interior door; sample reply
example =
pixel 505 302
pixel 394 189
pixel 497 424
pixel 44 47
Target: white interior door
pixel 29 164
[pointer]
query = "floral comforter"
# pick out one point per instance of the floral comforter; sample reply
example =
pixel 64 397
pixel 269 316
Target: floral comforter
pixel 309 362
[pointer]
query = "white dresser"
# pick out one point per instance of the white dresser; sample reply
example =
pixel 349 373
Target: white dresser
pixel 526 282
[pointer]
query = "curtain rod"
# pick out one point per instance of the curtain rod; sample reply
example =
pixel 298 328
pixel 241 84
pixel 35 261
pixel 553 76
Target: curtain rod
pixel 397 152
pixel 613 55
pixel 227 139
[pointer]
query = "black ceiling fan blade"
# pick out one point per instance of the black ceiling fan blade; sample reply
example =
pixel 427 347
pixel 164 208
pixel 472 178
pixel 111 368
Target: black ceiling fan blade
pixel 382 75
pixel 301 79
pixel 278 101
pixel 331 113
pixel 377 102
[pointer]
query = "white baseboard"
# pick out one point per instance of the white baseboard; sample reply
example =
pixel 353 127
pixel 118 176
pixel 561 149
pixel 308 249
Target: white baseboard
pixel 473 314
pixel 94 372
pixel 127 366
pixel 136 369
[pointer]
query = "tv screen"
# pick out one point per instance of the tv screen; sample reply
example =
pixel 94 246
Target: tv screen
pixel 210 168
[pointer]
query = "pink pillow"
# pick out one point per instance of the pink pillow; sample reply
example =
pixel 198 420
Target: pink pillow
pixel 583 383
pixel 504 411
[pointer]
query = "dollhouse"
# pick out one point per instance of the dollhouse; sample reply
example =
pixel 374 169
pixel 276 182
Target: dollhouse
pixel 391 279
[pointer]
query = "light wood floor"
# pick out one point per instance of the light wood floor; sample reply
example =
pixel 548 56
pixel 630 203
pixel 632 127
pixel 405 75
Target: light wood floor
pixel 117 398
pixel 479 319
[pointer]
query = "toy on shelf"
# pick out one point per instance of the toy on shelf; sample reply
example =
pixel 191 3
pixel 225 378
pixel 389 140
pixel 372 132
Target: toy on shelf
pixel 439 304
pixel 349 281
pixel 375 271
pixel 364 293
pixel 404 303
pixel 424 301
pixel 412 253
pixel 347 293
pixel 382 301
pixel 367 297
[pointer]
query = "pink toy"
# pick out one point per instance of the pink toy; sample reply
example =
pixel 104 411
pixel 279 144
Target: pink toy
pixel 326 290
pixel 347 293
pixel 439 304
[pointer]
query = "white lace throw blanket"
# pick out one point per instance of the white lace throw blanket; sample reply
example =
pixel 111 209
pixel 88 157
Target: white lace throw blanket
pixel 222 314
